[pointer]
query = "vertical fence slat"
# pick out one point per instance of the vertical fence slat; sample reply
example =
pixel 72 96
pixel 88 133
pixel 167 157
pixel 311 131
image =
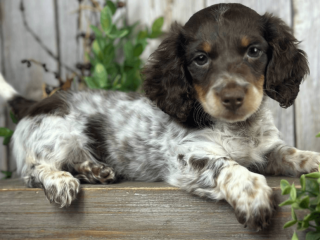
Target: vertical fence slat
pixel 306 28
pixel 3 153
pixel 19 44
pixel 172 10
pixel 70 46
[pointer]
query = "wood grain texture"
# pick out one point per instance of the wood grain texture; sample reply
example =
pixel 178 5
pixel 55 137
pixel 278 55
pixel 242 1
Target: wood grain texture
pixel 128 210
pixel 171 10
pixel 283 118
pixel 307 29
pixel 19 44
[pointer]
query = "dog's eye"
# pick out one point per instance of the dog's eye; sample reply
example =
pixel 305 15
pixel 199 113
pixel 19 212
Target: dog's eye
pixel 201 60
pixel 254 52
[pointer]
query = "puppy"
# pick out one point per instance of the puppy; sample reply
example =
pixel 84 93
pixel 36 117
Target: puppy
pixel 202 125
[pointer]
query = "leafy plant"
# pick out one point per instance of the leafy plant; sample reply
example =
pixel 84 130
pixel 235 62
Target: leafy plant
pixel 306 198
pixel 6 132
pixel 107 72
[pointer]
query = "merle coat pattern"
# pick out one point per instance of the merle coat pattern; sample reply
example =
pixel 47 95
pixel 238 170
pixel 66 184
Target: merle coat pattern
pixel 202 126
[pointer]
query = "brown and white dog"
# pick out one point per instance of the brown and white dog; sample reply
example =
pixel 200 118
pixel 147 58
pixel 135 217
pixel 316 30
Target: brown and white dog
pixel 202 125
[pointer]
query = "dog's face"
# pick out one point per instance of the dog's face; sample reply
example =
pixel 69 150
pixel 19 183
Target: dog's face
pixel 226 57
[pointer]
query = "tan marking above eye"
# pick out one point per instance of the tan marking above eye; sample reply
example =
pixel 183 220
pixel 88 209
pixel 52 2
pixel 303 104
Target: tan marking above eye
pixel 245 41
pixel 206 47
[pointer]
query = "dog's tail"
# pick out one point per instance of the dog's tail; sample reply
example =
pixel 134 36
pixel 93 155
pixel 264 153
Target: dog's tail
pixel 19 104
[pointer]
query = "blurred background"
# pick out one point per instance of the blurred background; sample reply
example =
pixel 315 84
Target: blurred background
pixel 51 44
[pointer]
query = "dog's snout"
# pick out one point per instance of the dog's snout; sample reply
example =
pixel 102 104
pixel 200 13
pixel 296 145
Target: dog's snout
pixel 232 98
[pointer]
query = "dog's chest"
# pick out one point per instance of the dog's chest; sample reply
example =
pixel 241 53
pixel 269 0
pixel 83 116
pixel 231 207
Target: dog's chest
pixel 247 144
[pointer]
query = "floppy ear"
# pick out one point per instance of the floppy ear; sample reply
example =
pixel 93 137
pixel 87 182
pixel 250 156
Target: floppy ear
pixel 287 65
pixel 165 76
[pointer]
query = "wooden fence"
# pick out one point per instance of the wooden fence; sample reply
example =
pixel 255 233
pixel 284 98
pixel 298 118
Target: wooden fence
pixel 57 23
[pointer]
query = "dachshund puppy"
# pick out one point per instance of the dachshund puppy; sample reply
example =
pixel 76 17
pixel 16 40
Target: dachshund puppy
pixel 202 126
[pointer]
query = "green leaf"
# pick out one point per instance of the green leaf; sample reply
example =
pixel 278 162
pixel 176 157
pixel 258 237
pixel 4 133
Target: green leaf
pixel 109 55
pixel 96 31
pixel 302 225
pixel 293 214
pixel 303 182
pixel 287 202
pixel 286 190
pixel 155 34
pixel 313 235
pixel 6 140
pixel 283 184
pixel 90 83
pixel 304 202
pixel 100 75
pixel 290 223
pixel 294 237
pixel 318 208
pixel 157 25
pixel 313 175
pixel 112 7
pixel 138 49
pixel 5 132
pixel 142 35
pixel 312 186
pixel 122 33
pixel 97 50
pixel 293 192
pixel 13 117
pixel 128 51
pixel 113 32
pixel 311 216
pixel 106 19
pixel 7 174
pixel 318 135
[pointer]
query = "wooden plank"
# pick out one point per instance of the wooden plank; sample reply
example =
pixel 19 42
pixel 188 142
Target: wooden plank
pixel 129 210
pixel 306 28
pixel 70 45
pixel 171 10
pixel 283 118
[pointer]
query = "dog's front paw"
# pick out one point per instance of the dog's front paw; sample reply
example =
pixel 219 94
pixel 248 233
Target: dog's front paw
pixel 255 205
pixel 300 162
pixel 61 188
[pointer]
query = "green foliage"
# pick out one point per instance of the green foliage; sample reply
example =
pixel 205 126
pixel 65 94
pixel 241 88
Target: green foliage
pixel 306 198
pixel 7 174
pixel 109 43
pixel 6 133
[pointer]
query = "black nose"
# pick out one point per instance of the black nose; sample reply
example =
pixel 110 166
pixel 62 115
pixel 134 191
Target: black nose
pixel 232 98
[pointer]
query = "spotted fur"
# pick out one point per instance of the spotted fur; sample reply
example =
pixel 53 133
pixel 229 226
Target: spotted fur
pixel 174 134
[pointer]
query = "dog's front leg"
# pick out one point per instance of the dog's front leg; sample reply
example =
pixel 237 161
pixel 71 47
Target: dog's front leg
pixel 289 161
pixel 222 178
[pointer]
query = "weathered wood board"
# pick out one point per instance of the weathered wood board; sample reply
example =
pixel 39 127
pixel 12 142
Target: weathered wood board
pixel 129 210
pixel 18 44
pixel 307 29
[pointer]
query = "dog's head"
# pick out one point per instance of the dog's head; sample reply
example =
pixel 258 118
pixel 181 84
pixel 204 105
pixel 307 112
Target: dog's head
pixel 226 57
